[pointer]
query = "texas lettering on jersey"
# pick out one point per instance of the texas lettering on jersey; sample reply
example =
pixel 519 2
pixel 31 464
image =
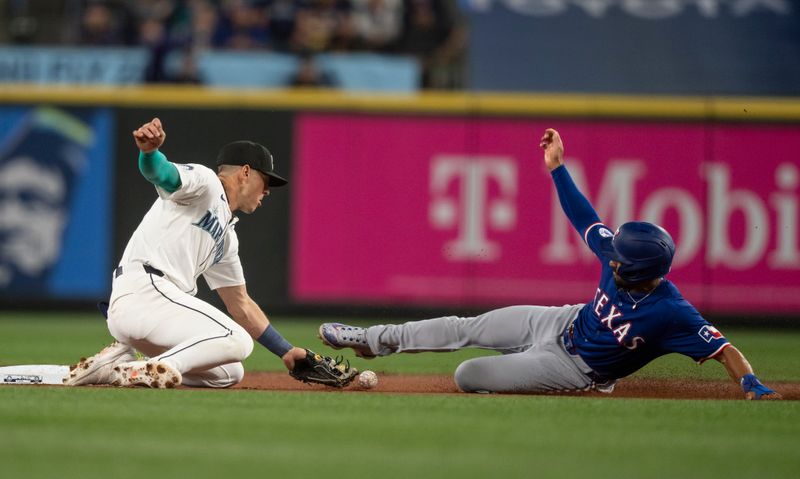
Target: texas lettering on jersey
pixel 619 328
pixel 210 224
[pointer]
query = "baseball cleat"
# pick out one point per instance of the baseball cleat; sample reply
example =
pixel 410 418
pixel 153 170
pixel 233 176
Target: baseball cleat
pixel 606 387
pixel 338 336
pixel 151 374
pixel 98 369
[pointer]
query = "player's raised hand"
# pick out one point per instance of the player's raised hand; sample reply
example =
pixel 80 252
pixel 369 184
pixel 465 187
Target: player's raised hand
pixel 553 149
pixel 150 136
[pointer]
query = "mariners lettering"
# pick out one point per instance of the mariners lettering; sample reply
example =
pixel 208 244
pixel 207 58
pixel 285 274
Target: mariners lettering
pixel 210 224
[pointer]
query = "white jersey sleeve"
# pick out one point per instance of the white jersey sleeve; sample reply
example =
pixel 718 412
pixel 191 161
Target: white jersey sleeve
pixel 189 232
pixel 227 271
pixel 194 184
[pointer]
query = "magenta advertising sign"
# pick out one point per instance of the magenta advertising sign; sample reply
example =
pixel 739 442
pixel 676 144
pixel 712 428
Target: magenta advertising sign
pixel 440 211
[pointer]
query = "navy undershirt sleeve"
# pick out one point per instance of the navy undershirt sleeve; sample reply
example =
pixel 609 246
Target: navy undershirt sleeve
pixel 575 205
pixel 159 171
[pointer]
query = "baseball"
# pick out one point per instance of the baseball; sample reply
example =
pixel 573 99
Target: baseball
pixel 367 379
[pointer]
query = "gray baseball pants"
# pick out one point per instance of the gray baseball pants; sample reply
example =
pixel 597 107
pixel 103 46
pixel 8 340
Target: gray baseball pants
pixel 529 337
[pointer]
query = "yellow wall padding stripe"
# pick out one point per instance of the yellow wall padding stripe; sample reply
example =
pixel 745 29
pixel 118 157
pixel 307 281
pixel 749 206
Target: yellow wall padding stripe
pixel 436 103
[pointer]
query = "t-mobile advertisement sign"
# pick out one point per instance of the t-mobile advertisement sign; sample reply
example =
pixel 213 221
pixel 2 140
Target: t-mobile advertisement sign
pixel 436 211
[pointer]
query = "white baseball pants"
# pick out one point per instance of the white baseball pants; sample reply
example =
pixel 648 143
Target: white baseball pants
pixel 149 313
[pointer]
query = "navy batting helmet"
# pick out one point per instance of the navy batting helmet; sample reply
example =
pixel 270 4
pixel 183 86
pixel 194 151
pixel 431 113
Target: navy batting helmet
pixel 644 250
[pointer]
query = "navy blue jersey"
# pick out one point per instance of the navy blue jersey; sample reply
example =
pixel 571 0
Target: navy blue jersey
pixel 619 331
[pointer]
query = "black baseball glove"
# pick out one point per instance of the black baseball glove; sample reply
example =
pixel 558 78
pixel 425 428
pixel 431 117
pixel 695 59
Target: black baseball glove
pixel 323 370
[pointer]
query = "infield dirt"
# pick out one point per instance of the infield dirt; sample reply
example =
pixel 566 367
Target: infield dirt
pixel 444 384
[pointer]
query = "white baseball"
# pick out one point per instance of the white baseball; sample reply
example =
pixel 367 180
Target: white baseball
pixel 367 379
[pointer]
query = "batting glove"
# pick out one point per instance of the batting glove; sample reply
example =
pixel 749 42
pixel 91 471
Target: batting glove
pixel 750 383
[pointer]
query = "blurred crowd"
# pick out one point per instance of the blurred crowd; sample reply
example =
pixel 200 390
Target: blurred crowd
pixel 433 31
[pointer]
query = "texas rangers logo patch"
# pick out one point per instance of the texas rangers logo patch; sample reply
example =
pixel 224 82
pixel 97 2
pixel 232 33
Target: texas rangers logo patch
pixel 709 333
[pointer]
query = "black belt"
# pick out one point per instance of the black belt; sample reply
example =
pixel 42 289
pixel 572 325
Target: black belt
pixel 147 268
pixel 569 345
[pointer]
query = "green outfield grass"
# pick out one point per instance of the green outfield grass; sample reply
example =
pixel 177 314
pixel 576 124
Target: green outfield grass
pixel 27 338
pixel 114 433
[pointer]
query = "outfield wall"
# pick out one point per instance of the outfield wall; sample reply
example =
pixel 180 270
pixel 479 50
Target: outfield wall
pixel 454 210
pixel 441 201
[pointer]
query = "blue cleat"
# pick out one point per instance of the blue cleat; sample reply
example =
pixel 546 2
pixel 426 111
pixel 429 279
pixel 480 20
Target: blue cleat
pixel 338 336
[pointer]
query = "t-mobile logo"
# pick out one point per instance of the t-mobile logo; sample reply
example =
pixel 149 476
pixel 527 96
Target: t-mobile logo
pixel 473 206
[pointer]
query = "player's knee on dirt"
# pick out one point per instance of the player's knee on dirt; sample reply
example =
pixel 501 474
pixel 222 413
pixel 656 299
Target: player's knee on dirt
pixel 470 377
pixel 235 375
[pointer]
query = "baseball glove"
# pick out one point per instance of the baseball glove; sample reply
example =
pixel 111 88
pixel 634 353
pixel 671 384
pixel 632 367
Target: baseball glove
pixel 323 370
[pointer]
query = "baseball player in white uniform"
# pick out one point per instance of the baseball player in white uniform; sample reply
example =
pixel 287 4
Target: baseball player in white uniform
pixel 188 232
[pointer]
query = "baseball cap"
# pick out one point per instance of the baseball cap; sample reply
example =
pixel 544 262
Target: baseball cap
pixel 250 153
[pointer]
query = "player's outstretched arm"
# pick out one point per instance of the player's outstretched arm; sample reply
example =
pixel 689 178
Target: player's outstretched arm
pixel 575 205
pixel 303 364
pixel 741 372
pixel 249 315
